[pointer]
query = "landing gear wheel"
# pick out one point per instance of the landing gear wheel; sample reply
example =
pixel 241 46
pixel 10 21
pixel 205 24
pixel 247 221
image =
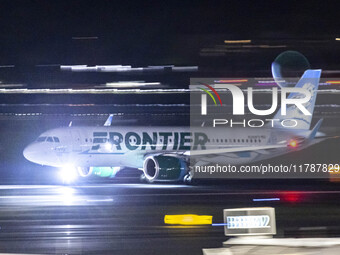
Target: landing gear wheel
pixel 187 179
pixel 143 179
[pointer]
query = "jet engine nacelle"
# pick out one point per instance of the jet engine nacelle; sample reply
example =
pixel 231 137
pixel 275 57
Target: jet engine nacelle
pixel 164 168
pixel 85 171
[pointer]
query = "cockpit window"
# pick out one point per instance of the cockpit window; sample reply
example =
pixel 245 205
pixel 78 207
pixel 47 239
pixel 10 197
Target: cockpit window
pixel 41 139
pixel 49 139
pixel 56 139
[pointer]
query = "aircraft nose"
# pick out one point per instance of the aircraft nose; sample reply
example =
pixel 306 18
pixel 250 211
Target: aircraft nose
pixel 33 153
pixel 29 153
pixel 42 154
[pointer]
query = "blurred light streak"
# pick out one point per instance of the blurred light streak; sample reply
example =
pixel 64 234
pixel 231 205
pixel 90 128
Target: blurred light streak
pixel 292 197
pixel 131 84
pixel 271 81
pixel 219 224
pixel 126 68
pixel 334 173
pixel 266 199
pixel 184 68
pixel 267 84
pixel 331 71
pixel 7 66
pixel 135 91
pixel 11 85
pixel 272 46
pixel 231 81
pixel 333 82
pixel 67 195
pixel 237 41
pixel 100 200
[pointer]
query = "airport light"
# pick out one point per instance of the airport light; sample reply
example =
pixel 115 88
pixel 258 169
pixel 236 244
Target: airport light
pixel 188 219
pixel 231 81
pixel 293 143
pixel 292 197
pixel 333 82
pixel 237 41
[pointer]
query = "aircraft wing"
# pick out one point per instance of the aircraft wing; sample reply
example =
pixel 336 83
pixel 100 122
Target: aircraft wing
pixel 233 149
pixel 327 137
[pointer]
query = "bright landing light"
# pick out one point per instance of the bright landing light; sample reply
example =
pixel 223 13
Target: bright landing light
pixel 108 146
pixel 68 174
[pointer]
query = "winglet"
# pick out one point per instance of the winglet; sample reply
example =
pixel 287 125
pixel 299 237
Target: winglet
pixel 108 121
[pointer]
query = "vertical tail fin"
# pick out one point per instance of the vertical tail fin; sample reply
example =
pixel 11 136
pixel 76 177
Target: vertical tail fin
pixel 310 81
pixel 108 121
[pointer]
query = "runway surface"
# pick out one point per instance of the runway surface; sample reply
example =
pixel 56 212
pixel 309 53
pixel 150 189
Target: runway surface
pixel 126 217
pixel 129 218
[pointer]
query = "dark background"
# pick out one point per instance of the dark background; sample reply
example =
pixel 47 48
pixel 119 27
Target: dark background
pixel 128 218
pixel 164 32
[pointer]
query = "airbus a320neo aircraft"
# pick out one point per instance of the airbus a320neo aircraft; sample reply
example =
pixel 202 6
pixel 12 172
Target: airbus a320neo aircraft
pixel 163 153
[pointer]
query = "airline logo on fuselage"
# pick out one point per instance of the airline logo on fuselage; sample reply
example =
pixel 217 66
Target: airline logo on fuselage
pixel 152 140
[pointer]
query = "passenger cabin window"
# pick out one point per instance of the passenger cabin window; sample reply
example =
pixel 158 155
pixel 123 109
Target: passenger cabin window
pixel 49 139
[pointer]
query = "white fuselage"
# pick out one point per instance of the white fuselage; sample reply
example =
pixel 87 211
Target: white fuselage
pixel 128 146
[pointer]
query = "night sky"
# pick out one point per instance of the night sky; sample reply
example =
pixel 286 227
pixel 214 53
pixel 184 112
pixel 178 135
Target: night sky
pixel 150 32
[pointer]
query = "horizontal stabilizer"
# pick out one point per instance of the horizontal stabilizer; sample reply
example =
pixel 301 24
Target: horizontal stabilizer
pixel 315 130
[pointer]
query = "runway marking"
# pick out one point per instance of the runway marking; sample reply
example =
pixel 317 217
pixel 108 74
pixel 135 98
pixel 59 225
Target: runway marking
pixel 191 190
pixel 27 187
pixel 232 193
